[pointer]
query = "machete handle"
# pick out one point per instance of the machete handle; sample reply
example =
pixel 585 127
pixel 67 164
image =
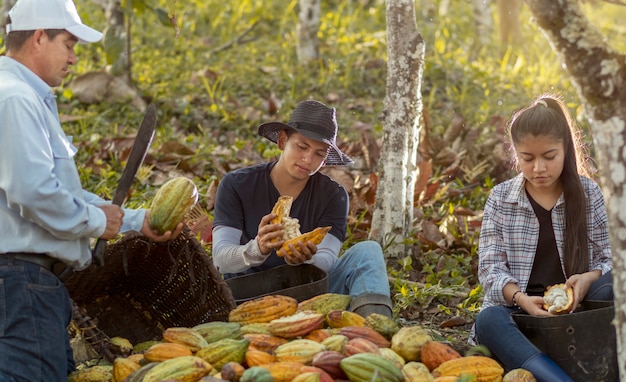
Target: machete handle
pixel 98 252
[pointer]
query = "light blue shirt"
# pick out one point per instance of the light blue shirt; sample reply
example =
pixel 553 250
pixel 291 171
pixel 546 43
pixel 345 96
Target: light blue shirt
pixel 43 208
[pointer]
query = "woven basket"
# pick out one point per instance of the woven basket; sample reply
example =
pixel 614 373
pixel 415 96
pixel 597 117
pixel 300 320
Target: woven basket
pixel 145 287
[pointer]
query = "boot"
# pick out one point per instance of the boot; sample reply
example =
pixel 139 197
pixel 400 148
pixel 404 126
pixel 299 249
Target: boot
pixel 368 303
pixel 545 369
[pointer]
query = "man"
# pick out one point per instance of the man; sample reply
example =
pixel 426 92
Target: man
pixel 242 232
pixel 45 215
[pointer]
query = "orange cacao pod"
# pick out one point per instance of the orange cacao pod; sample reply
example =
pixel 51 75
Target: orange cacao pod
pixel 257 358
pixel 296 325
pixel 263 309
pixel 264 342
pixel 484 369
pixel 166 350
pixel 340 318
pixel 283 371
pixel 435 353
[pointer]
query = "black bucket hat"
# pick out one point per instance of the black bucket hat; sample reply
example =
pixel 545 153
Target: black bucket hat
pixel 315 121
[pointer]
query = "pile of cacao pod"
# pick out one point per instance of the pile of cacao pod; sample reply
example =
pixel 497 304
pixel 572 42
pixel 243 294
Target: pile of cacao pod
pixel 275 338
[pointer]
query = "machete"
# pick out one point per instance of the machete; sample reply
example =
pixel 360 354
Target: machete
pixel 137 154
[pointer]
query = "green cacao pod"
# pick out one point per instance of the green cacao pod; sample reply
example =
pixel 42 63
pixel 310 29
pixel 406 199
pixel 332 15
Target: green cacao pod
pixel 171 204
pixel 219 353
pixel 365 367
pixel 256 374
pixel 218 330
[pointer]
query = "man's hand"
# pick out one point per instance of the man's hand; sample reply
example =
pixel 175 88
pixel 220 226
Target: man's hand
pixel 115 216
pixel 267 232
pixel 168 235
pixel 299 253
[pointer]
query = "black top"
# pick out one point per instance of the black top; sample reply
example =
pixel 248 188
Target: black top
pixel 547 268
pixel 244 196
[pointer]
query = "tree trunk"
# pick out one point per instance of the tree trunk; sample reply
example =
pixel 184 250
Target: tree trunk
pixel 599 75
pixel 308 25
pixel 510 26
pixel 393 213
pixel 4 12
pixel 483 21
pixel 117 41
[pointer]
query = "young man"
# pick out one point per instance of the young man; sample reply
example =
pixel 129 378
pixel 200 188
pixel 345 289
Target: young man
pixel 45 216
pixel 242 233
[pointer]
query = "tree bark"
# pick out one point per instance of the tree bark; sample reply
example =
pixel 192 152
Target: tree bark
pixel 308 26
pixel 392 220
pixel 599 75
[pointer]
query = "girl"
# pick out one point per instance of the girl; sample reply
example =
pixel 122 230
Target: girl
pixel 548 225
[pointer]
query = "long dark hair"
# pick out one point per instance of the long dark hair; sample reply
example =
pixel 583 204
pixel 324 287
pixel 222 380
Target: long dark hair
pixel 548 116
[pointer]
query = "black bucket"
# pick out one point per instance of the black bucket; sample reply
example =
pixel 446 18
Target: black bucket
pixel 300 282
pixel 583 343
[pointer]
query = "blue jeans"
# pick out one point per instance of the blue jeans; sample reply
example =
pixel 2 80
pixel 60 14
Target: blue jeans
pixel 496 329
pixel 35 311
pixel 360 270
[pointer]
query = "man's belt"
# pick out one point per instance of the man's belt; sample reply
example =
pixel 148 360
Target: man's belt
pixel 40 259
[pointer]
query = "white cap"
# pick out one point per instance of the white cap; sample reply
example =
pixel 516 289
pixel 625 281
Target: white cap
pixel 27 15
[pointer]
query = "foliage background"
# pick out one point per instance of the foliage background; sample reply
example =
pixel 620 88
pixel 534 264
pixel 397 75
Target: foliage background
pixel 215 82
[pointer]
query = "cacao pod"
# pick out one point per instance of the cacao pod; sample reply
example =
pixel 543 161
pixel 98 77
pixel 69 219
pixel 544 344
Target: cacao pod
pixel 392 356
pixel 329 360
pixel 408 342
pixel 558 299
pixel 284 371
pixel 263 309
pixel 256 374
pixel 340 318
pixel 255 328
pixel 324 376
pixel 232 371
pixel 123 367
pixel 223 351
pixel 258 357
pixel 364 367
pixel 435 353
pixel 166 350
pixel 484 369
pixel 185 336
pixel 519 375
pixel 326 302
pixel 174 199
pixel 300 350
pixel 316 236
pixel 296 325
pixel 384 325
pixel 218 330
pixel 183 369
pixel 367 333
pixel 361 345
pixel 309 376
pixel 265 342
pixel 336 342
pixel 319 335
pixel 416 372
pixel 98 373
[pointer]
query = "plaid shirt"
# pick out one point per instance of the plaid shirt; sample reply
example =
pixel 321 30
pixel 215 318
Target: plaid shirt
pixel 510 231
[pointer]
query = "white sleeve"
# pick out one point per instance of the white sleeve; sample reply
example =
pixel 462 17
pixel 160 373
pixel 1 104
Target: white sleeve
pixel 231 257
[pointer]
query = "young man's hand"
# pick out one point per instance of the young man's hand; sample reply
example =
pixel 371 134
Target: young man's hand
pixel 300 252
pixel 268 232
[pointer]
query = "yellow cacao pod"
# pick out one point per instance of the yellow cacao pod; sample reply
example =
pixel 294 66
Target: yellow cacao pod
pixel 299 350
pixel 172 202
pixel 284 371
pixel 316 236
pixel 384 325
pixel 123 367
pixel 484 369
pixel 408 342
pixel 263 309
pixel 519 375
pixel 185 336
pixel 416 372
pixel 340 318
pixel 166 350
pixel 98 373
